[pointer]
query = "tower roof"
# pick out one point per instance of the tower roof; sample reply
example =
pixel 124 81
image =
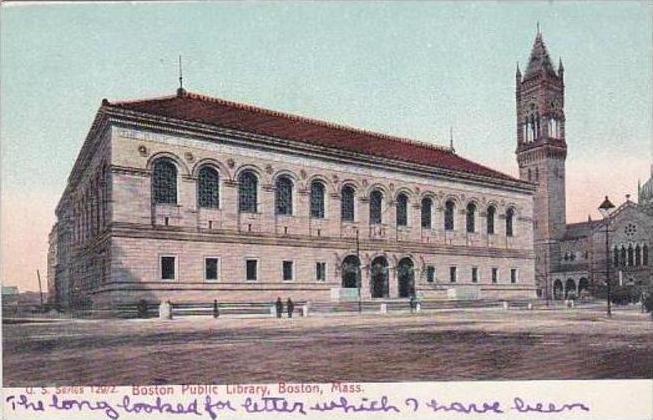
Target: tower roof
pixel 539 61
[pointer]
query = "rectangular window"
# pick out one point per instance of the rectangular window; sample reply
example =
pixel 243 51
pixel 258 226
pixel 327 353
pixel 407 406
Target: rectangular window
pixel 168 268
pixel 210 268
pixel 474 274
pixel 287 270
pixel 251 267
pixel 430 274
pixel 452 274
pixel 513 275
pixel 320 271
pixel 495 275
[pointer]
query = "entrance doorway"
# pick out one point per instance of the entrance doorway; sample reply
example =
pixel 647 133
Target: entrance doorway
pixel 379 272
pixel 350 269
pixel 557 289
pixel 406 277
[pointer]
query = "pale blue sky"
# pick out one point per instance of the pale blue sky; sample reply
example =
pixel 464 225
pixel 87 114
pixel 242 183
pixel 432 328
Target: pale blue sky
pixel 411 69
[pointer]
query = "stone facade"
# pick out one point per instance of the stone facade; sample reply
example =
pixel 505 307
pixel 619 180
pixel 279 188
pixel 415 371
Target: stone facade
pixel 121 245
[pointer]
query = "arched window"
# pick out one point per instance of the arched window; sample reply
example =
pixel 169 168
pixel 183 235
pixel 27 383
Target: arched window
pixel 638 255
pixel 491 212
pixel 208 187
pixel 615 256
pixel 449 208
pixel 471 218
pixel 631 256
pixel 402 210
pixel 376 199
pixel 645 255
pixel 317 200
pixel 347 203
pixel 427 206
pixel 247 192
pixel 164 182
pixel 283 196
pixel 510 215
pixel 622 260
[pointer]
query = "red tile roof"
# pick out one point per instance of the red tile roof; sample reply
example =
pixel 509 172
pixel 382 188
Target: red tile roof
pixel 221 113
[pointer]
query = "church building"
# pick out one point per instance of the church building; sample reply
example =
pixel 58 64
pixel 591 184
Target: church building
pixel 572 257
pixel 191 198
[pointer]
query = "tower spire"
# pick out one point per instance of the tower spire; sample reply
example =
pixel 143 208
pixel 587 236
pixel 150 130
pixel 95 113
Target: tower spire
pixel 180 90
pixel 451 140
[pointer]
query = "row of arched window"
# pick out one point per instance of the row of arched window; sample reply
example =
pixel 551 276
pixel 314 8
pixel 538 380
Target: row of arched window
pixel 164 191
pixel 532 128
pixel 89 211
pixel 630 256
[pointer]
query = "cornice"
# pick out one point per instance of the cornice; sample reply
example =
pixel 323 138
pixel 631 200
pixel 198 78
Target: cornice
pixel 211 133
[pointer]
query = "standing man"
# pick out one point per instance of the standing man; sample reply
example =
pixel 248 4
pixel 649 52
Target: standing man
pixel 291 307
pixel 279 306
pixel 216 311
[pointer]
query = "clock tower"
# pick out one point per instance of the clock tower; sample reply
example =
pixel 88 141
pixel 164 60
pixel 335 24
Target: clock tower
pixel 541 152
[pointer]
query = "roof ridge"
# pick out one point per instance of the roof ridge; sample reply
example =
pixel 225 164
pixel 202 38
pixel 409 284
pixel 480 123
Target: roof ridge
pixel 132 101
pixel 316 121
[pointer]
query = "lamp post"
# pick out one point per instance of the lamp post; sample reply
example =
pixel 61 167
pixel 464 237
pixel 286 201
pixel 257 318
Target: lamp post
pixel 606 209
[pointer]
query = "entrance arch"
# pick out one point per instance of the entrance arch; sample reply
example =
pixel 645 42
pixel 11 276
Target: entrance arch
pixel 583 284
pixel 406 277
pixel 557 289
pixel 379 273
pixel 570 286
pixel 350 269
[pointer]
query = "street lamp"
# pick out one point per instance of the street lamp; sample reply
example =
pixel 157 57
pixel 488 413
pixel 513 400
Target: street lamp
pixel 606 209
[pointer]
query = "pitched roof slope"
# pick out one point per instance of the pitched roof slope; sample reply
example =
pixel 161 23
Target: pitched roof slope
pixel 539 60
pixel 198 108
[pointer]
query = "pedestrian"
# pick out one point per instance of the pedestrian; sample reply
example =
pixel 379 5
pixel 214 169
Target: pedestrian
pixel 279 306
pixel 413 303
pixel 216 311
pixel 291 307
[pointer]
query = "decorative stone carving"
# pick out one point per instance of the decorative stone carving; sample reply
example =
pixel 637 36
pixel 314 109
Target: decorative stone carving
pixel 231 163
pixel 189 156
pixel 335 178
pixel 392 186
pixel 142 150
pixel 364 183
pixel 268 169
pixel 302 174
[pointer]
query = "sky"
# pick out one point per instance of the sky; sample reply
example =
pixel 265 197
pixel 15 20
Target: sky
pixel 408 69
